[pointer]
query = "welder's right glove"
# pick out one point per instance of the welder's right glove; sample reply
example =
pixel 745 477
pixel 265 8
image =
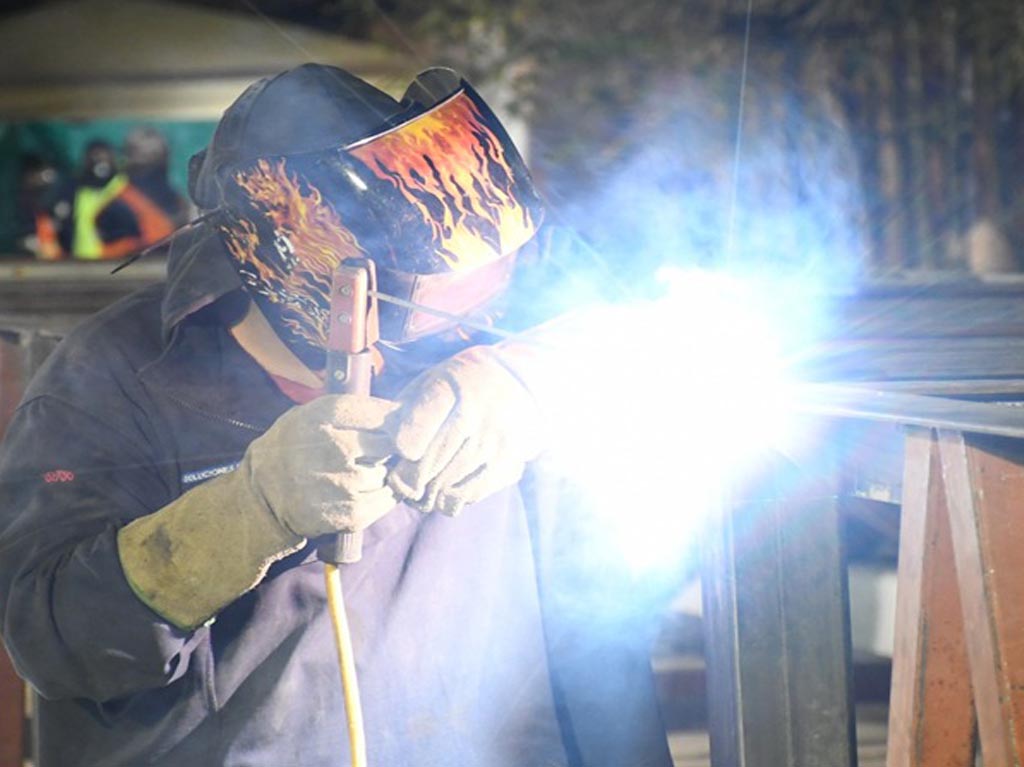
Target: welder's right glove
pixel 467 429
pixel 319 469
pixel 469 426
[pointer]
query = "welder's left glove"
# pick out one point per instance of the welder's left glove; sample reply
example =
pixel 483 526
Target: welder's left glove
pixel 466 428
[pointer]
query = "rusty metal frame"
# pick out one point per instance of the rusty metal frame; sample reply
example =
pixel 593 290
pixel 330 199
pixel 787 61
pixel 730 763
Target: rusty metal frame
pixel 931 705
pixel 777 620
pixel 984 478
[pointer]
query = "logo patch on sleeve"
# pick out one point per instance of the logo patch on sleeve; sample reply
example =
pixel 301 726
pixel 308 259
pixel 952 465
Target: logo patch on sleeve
pixel 58 475
pixel 201 475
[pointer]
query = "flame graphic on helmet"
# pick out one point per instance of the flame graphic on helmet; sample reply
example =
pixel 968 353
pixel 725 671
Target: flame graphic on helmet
pixel 451 166
pixel 310 242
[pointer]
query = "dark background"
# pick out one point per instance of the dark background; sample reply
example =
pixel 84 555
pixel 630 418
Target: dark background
pixel 874 138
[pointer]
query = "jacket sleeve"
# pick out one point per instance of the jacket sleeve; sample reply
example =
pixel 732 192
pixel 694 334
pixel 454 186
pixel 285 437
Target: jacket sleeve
pixel 73 627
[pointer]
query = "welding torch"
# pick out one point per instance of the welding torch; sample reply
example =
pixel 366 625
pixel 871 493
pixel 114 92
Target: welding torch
pixel 353 331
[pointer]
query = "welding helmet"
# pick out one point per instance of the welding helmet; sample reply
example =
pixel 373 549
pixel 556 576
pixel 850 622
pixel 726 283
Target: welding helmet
pixel 430 189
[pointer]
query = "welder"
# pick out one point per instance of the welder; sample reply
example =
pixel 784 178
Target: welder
pixel 173 466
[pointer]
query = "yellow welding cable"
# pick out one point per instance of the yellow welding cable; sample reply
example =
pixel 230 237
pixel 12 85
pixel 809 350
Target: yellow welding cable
pixel 347 664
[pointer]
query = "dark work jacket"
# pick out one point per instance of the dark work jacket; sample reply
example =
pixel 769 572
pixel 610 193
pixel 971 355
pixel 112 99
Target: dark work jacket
pixel 467 655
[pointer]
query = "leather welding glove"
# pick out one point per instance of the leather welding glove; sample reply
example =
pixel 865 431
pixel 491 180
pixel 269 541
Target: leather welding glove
pixel 468 426
pixel 319 469
pixel 466 429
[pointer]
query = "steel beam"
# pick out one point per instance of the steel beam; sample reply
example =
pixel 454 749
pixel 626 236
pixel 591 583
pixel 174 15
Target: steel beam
pixel 908 409
pixel 777 633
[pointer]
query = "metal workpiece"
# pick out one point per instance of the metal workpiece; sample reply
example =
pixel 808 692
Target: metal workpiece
pixel 776 625
pixel 846 401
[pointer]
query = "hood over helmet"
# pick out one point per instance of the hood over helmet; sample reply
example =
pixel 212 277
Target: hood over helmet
pixel 307 109
pixel 314 167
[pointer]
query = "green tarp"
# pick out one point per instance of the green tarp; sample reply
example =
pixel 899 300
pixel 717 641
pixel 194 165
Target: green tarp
pixel 63 143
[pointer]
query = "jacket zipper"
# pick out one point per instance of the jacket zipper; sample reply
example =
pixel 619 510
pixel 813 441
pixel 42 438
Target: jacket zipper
pixel 223 418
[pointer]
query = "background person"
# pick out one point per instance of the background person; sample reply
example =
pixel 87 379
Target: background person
pixel 44 209
pixel 147 209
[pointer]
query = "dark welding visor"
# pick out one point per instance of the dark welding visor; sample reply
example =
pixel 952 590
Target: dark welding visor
pixel 440 200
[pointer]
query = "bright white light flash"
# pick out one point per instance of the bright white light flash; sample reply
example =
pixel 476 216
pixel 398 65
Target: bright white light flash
pixel 357 182
pixel 686 391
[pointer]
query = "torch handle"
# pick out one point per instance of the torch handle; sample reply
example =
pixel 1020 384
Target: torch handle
pixel 350 368
pixel 351 375
pixel 342 549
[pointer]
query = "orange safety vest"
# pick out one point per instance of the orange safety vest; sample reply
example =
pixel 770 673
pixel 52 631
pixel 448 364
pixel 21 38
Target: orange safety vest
pixel 153 222
pixel 46 234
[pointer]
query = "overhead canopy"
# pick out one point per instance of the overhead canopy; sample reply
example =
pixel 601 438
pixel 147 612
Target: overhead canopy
pixel 159 60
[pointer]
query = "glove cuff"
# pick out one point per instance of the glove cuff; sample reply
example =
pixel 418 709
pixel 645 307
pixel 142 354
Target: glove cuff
pixel 199 553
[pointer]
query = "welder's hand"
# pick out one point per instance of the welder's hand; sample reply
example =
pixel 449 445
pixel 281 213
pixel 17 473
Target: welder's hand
pixel 466 429
pixel 321 467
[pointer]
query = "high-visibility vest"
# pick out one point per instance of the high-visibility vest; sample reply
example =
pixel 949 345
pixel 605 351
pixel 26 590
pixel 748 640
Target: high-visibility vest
pixel 46 236
pixel 153 222
pixel 89 203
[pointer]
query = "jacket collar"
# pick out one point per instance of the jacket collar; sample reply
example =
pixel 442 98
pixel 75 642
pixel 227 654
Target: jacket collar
pixel 202 367
pixel 205 370
pixel 199 271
